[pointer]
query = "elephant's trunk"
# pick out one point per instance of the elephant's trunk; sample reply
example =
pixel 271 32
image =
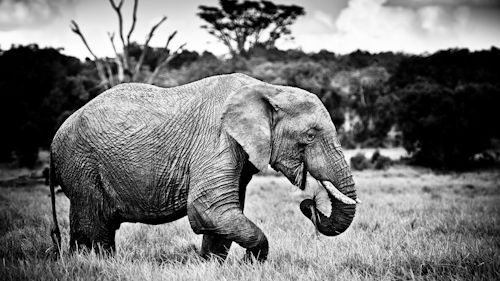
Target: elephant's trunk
pixel 342 195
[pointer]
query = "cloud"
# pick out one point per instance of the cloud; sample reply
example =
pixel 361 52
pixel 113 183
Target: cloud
pixel 324 19
pixel 438 20
pixel 420 3
pixel 16 14
pixel 384 25
pixel 374 25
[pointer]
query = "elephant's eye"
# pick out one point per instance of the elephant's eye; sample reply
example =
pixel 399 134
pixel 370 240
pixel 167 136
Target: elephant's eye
pixel 310 136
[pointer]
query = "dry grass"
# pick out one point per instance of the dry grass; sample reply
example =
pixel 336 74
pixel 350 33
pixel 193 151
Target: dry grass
pixel 412 224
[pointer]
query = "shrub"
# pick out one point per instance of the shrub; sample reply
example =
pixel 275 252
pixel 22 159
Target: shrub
pixel 445 127
pixel 360 162
pixel 379 161
pixel 36 85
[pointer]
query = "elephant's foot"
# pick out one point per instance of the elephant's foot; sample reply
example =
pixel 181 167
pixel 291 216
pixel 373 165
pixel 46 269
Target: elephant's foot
pixel 258 253
pixel 215 247
pixel 95 233
pixel 81 241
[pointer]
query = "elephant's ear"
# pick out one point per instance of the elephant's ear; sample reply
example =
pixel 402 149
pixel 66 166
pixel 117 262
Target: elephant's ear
pixel 247 118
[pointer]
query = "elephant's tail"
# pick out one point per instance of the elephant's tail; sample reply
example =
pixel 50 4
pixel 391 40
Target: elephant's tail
pixel 55 233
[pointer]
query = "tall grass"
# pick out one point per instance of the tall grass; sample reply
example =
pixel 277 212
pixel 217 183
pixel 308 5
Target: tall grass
pixel 412 224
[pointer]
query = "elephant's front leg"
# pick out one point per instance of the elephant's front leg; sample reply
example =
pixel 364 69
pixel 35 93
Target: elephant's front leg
pixel 224 221
pixel 222 228
pixel 215 246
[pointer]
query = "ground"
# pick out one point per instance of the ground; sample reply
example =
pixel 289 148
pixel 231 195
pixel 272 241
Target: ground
pixel 413 224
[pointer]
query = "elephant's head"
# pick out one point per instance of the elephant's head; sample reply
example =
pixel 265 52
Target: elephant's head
pixel 291 129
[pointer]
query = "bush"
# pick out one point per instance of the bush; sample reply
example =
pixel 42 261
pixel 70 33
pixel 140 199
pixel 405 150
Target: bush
pixel 445 127
pixel 36 86
pixel 360 162
pixel 380 162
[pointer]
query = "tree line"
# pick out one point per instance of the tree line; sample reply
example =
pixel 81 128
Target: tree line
pixel 441 107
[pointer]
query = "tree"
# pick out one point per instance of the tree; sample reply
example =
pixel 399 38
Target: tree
pixel 128 70
pixel 449 68
pixel 445 127
pixel 37 85
pixel 363 90
pixel 242 25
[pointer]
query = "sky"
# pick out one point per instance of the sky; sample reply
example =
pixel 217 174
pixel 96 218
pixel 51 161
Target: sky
pixel 340 26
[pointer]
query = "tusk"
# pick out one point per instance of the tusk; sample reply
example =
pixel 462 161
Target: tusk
pixel 318 193
pixel 358 201
pixel 337 194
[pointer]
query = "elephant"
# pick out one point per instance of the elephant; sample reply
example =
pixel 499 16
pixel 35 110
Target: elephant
pixel 142 153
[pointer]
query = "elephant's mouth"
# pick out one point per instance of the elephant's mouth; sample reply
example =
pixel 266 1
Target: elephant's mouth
pixel 322 193
pixel 330 210
pixel 301 182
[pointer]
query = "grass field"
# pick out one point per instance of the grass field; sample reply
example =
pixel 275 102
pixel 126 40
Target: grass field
pixel 412 224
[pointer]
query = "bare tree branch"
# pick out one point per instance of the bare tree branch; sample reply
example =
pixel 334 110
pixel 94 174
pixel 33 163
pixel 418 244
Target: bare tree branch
pixel 118 57
pixel 118 11
pixel 102 75
pixel 100 69
pixel 164 61
pixel 134 20
pixel 145 49
pixel 76 29
pixel 109 72
pixel 111 36
pixel 170 39
pixel 123 60
pixel 153 29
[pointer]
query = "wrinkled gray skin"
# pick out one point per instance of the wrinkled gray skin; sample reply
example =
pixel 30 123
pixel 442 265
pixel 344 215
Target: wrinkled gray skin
pixel 139 153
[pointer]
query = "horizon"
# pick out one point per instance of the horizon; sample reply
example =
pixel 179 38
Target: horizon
pixel 342 27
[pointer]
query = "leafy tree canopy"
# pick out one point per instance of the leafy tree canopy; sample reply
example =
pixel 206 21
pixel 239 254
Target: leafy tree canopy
pixel 445 127
pixel 37 86
pixel 241 25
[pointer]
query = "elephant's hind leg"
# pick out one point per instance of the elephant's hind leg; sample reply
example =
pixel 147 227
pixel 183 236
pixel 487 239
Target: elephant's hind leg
pixel 93 221
pixel 88 229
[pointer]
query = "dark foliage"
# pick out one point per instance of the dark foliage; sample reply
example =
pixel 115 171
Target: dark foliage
pixel 444 127
pixel 154 55
pixel 449 68
pixel 37 85
pixel 183 58
pixel 206 65
pixel 443 104
pixel 379 161
pixel 361 59
pixel 359 162
pixel 274 54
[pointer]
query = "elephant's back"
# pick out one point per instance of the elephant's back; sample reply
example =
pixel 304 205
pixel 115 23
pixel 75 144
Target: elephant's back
pixel 138 99
pixel 131 110
pixel 143 128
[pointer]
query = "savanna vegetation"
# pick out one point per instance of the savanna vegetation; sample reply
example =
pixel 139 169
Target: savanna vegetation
pixel 443 117
pixel 413 224
pixel 439 106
